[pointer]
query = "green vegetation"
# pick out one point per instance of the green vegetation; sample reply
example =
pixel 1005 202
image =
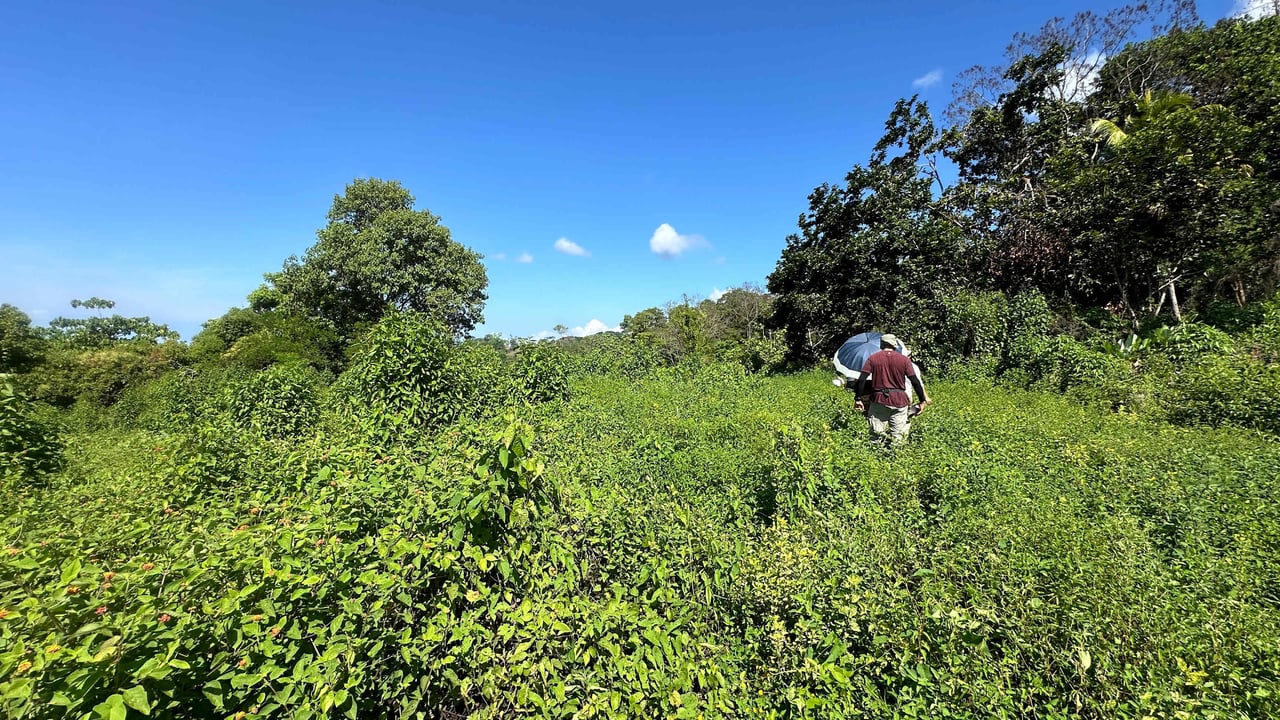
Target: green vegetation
pixel 700 542
pixel 330 503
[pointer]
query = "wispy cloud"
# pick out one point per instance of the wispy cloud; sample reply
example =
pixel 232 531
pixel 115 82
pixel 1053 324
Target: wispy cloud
pixel 928 79
pixel 1256 9
pixel 498 256
pixel 669 243
pixel 716 294
pixel 569 247
pixel 524 258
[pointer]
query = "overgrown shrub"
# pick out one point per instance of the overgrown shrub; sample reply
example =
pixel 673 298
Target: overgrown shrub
pixel 277 403
pixel 1028 320
pixel 1190 342
pixel 398 382
pixel 542 372
pixel 30 446
pixel 481 378
pixel 1226 390
pixel 972 328
pixel 100 375
pixel 1263 340
pixel 175 400
pixel 615 354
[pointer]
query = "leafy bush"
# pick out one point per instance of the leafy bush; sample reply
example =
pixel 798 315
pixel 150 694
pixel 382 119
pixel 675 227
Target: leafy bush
pixel 30 447
pixel 481 378
pixel 278 403
pixel 616 355
pixel 1027 331
pixel 1189 342
pixel 973 326
pixel 1226 390
pixel 542 372
pixel 1263 341
pixel 175 400
pixel 398 382
pixel 100 375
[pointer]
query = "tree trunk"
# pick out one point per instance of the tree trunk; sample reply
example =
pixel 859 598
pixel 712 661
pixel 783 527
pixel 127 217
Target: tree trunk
pixel 1173 298
pixel 1160 305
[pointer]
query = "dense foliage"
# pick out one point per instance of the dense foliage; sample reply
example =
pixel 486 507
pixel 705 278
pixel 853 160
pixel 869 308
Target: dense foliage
pixel 328 504
pixel 697 542
pixel 1123 162
pixel 378 253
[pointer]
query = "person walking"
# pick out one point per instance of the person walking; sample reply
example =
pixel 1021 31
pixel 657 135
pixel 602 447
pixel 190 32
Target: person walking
pixel 882 393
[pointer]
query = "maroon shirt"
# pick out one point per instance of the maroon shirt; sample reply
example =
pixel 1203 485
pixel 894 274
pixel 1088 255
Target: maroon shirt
pixel 888 370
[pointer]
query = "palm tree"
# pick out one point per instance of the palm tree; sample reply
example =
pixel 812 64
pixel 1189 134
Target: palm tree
pixel 1141 111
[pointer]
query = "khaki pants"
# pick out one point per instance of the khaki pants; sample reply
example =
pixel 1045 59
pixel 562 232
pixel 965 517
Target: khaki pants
pixel 889 425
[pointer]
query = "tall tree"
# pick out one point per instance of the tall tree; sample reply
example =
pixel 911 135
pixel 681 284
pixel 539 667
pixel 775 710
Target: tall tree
pixel 873 252
pixel 377 254
pixel 1168 207
pixel 1013 122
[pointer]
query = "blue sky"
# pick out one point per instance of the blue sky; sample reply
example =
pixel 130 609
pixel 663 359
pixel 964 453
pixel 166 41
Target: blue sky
pixel 165 155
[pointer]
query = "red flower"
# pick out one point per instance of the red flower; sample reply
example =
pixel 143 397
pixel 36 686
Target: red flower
pixel 165 618
pixel 102 610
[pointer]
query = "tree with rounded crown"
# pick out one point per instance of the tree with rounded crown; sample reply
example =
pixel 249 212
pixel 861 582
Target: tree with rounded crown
pixel 378 254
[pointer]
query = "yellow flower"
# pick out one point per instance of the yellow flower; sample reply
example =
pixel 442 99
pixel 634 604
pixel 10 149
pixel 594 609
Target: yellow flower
pixel 24 666
pixel 473 595
pixel 53 649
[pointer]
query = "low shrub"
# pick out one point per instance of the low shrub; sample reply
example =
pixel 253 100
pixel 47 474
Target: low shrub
pixel 1226 390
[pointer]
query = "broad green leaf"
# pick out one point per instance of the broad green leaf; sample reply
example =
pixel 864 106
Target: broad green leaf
pixel 136 698
pixel 113 708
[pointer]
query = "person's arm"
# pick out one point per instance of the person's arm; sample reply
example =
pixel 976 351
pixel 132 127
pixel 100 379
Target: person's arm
pixel 863 390
pixel 919 388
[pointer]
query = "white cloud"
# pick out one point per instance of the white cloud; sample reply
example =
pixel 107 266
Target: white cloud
pixel 1256 9
pixel 928 80
pixel 591 328
pixel 669 243
pixel 1081 76
pixel 524 258
pixel 569 247
pixel 498 256
pixel 716 294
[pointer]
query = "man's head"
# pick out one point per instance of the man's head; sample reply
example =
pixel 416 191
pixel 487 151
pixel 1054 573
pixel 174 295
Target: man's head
pixel 889 342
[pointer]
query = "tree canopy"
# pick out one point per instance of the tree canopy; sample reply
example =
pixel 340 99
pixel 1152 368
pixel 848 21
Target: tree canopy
pixel 378 253
pixel 1098 167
